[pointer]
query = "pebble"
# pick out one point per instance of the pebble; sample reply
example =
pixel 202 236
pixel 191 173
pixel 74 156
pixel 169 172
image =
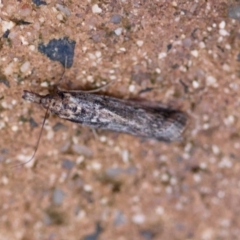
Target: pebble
pixel 138 218
pixel 162 55
pixel 131 88
pixel 7 25
pixel 211 81
pixel 125 156
pixel 25 10
pixel 225 163
pixel 96 9
pixel 215 149
pixel 58 50
pixel 194 53
pixel 67 164
pixel 63 9
pixel 139 43
pixel 234 11
pixel 25 67
pixel 9 69
pixel 116 19
pixel 118 31
pixel 159 210
pixel 195 84
pixel 222 24
pixel 187 42
pixel 39 2
pixel 223 32
pixel 58 196
pixel 229 120
pixel 119 219
pixel 82 150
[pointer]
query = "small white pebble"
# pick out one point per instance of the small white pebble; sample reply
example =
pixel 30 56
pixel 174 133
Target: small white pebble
pixel 205 126
pixel 131 88
pixel 162 55
pixel 223 32
pixel 14 128
pixel 173 181
pixel 112 77
pixel 159 210
pixel 203 165
pixel 9 69
pixel 226 67
pixel 158 70
pixel 50 134
pixel 96 166
pixel 63 177
pixel 42 19
pixel 138 218
pixel 228 47
pixel 87 188
pixel 194 53
pixel 202 45
pixel 125 156
pixel 195 84
pixel 44 84
pixel 24 42
pixel 139 43
pixel 32 47
pixel 5 180
pixel 122 49
pixel 7 25
pixel 79 160
pixel 60 17
pixel 98 54
pixel 225 163
pixel 96 9
pixel 222 24
pixel 215 149
pixel 197 178
pixel 103 139
pixel 165 178
pixel 118 31
pixel 25 67
pixel 229 120
pixel 188 147
pixel 183 69
pixel 211 81
pixel 220 194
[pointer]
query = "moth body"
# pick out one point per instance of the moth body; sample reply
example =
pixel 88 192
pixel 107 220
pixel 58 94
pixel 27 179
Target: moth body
pixel 104 112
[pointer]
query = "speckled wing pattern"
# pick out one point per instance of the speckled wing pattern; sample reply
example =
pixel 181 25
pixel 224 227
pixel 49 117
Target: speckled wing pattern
pixel 104 112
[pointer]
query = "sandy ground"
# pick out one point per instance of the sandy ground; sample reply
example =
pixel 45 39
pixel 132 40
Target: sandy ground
pixel 108 185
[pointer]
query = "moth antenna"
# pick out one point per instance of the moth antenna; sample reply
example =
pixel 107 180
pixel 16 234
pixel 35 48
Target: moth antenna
pixel 38 141
pixel 86 91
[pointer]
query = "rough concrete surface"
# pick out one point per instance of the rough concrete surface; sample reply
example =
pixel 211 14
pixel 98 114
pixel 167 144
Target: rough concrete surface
pixel 96 186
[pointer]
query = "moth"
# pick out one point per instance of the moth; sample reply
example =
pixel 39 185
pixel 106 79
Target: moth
pixel 109 113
